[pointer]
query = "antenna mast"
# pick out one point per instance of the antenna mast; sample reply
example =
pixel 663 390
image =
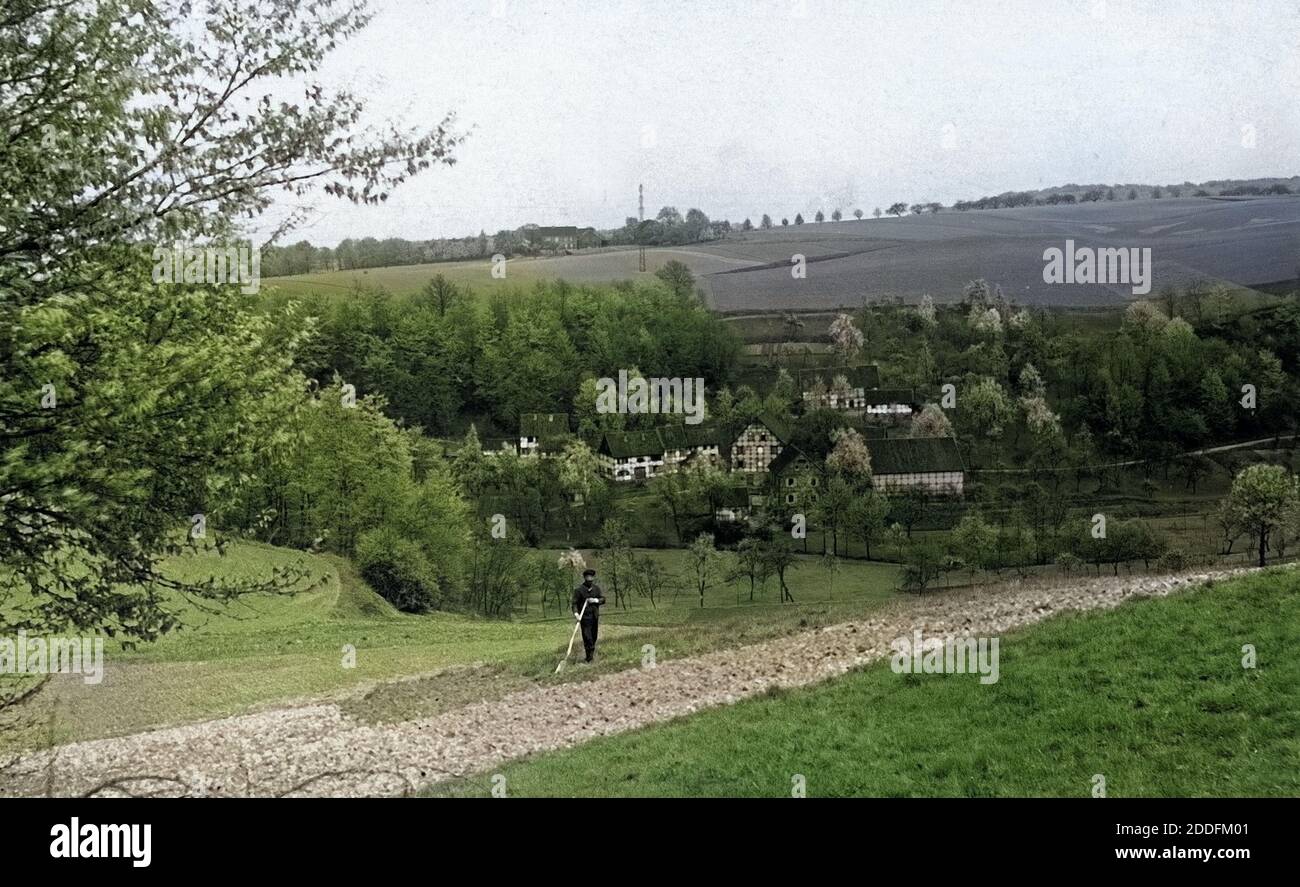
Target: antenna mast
pixel 640 193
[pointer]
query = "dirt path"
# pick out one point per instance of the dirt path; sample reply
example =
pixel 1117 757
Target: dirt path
pixel 318 750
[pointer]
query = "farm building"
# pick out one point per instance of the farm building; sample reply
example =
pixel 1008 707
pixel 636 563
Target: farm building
pixel 640 455
pixel 837 388
pixel 555 237
pixel 758 444
pixel 796 478
pixel 928 463
pixel 892 403
pixel 736 504
pixel 537 427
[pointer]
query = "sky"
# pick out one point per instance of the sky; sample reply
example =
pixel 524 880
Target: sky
pixel 741 108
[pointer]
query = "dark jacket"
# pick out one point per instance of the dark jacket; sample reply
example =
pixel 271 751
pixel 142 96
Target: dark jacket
pixel 595 594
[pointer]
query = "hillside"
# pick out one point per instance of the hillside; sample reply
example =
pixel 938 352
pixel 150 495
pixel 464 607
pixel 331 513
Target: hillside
pixel 1245 241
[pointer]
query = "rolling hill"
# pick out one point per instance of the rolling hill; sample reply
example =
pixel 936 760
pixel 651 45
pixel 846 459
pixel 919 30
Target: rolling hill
pixel 1246 241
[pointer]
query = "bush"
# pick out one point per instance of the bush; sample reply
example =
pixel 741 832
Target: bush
pixel 1069 562
pixel 398 570
pixel 1172 561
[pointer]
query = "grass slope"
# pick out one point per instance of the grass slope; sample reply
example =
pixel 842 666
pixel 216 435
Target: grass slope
pixel 1152 695
pixel 269 649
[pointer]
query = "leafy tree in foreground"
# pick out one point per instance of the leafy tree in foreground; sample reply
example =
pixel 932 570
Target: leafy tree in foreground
pixel 128 406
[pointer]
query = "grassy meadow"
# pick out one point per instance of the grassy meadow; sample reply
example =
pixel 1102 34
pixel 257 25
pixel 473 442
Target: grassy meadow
pixel 1152 695
pixel 271 649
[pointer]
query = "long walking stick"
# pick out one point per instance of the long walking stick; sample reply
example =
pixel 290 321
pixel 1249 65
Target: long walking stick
pixel 576 625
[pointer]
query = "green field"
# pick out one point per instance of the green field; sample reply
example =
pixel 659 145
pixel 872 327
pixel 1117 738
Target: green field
pixel 269 649
pixel 595 266
pixel 1153 696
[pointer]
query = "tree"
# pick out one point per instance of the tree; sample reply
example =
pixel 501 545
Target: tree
pixel 849 457
pixel 705 562
pixel 986 408
pixel 697 223
pixel 868 519
pixel 785 221
pixel 897 209
pixel 832 507
pixel 973 541
pixel 1262 499
pixel 909 508
pixel 777 557
pixel 161 142
pixel 579 473
pixel 876 212
pixel 820 217
pixel 766 222
pixel 613 541
pixel 129 132
pixel 669 217
pixel 672 492
pixel 846 338
pixel 470 465
pixel 747 225
pixel 923 564
pixel 931 422
pixel 679 278
pixel 496 577
pixel 836 215
pixel 857 214
pixel 798 219
pixel 439 292
pixel 749 565
pixel 648 577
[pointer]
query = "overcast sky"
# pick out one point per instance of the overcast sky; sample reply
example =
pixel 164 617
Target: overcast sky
pixel 741 108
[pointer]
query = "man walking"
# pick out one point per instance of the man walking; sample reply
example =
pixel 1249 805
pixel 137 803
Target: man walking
pixel 591 594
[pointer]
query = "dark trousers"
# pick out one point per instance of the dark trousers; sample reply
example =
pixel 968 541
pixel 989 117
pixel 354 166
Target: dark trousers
pixel 590 625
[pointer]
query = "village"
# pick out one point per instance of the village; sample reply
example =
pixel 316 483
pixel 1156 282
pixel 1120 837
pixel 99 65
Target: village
pixel 760 452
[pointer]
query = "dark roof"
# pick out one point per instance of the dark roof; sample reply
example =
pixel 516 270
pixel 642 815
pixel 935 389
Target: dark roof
pixel 778 428
pixel 734 497
pixel 910 455
pixel 787 457
pixel 890 395
pixel 543 424
pixel 625 444
pixel 657 441
pixel 862 376
pixel 556 231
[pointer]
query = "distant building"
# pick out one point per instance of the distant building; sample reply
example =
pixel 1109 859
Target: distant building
pixel 891 403
pixel 837 388
pixel 560 237
pixel 537 428
pixel 737 504
pixel 932 464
